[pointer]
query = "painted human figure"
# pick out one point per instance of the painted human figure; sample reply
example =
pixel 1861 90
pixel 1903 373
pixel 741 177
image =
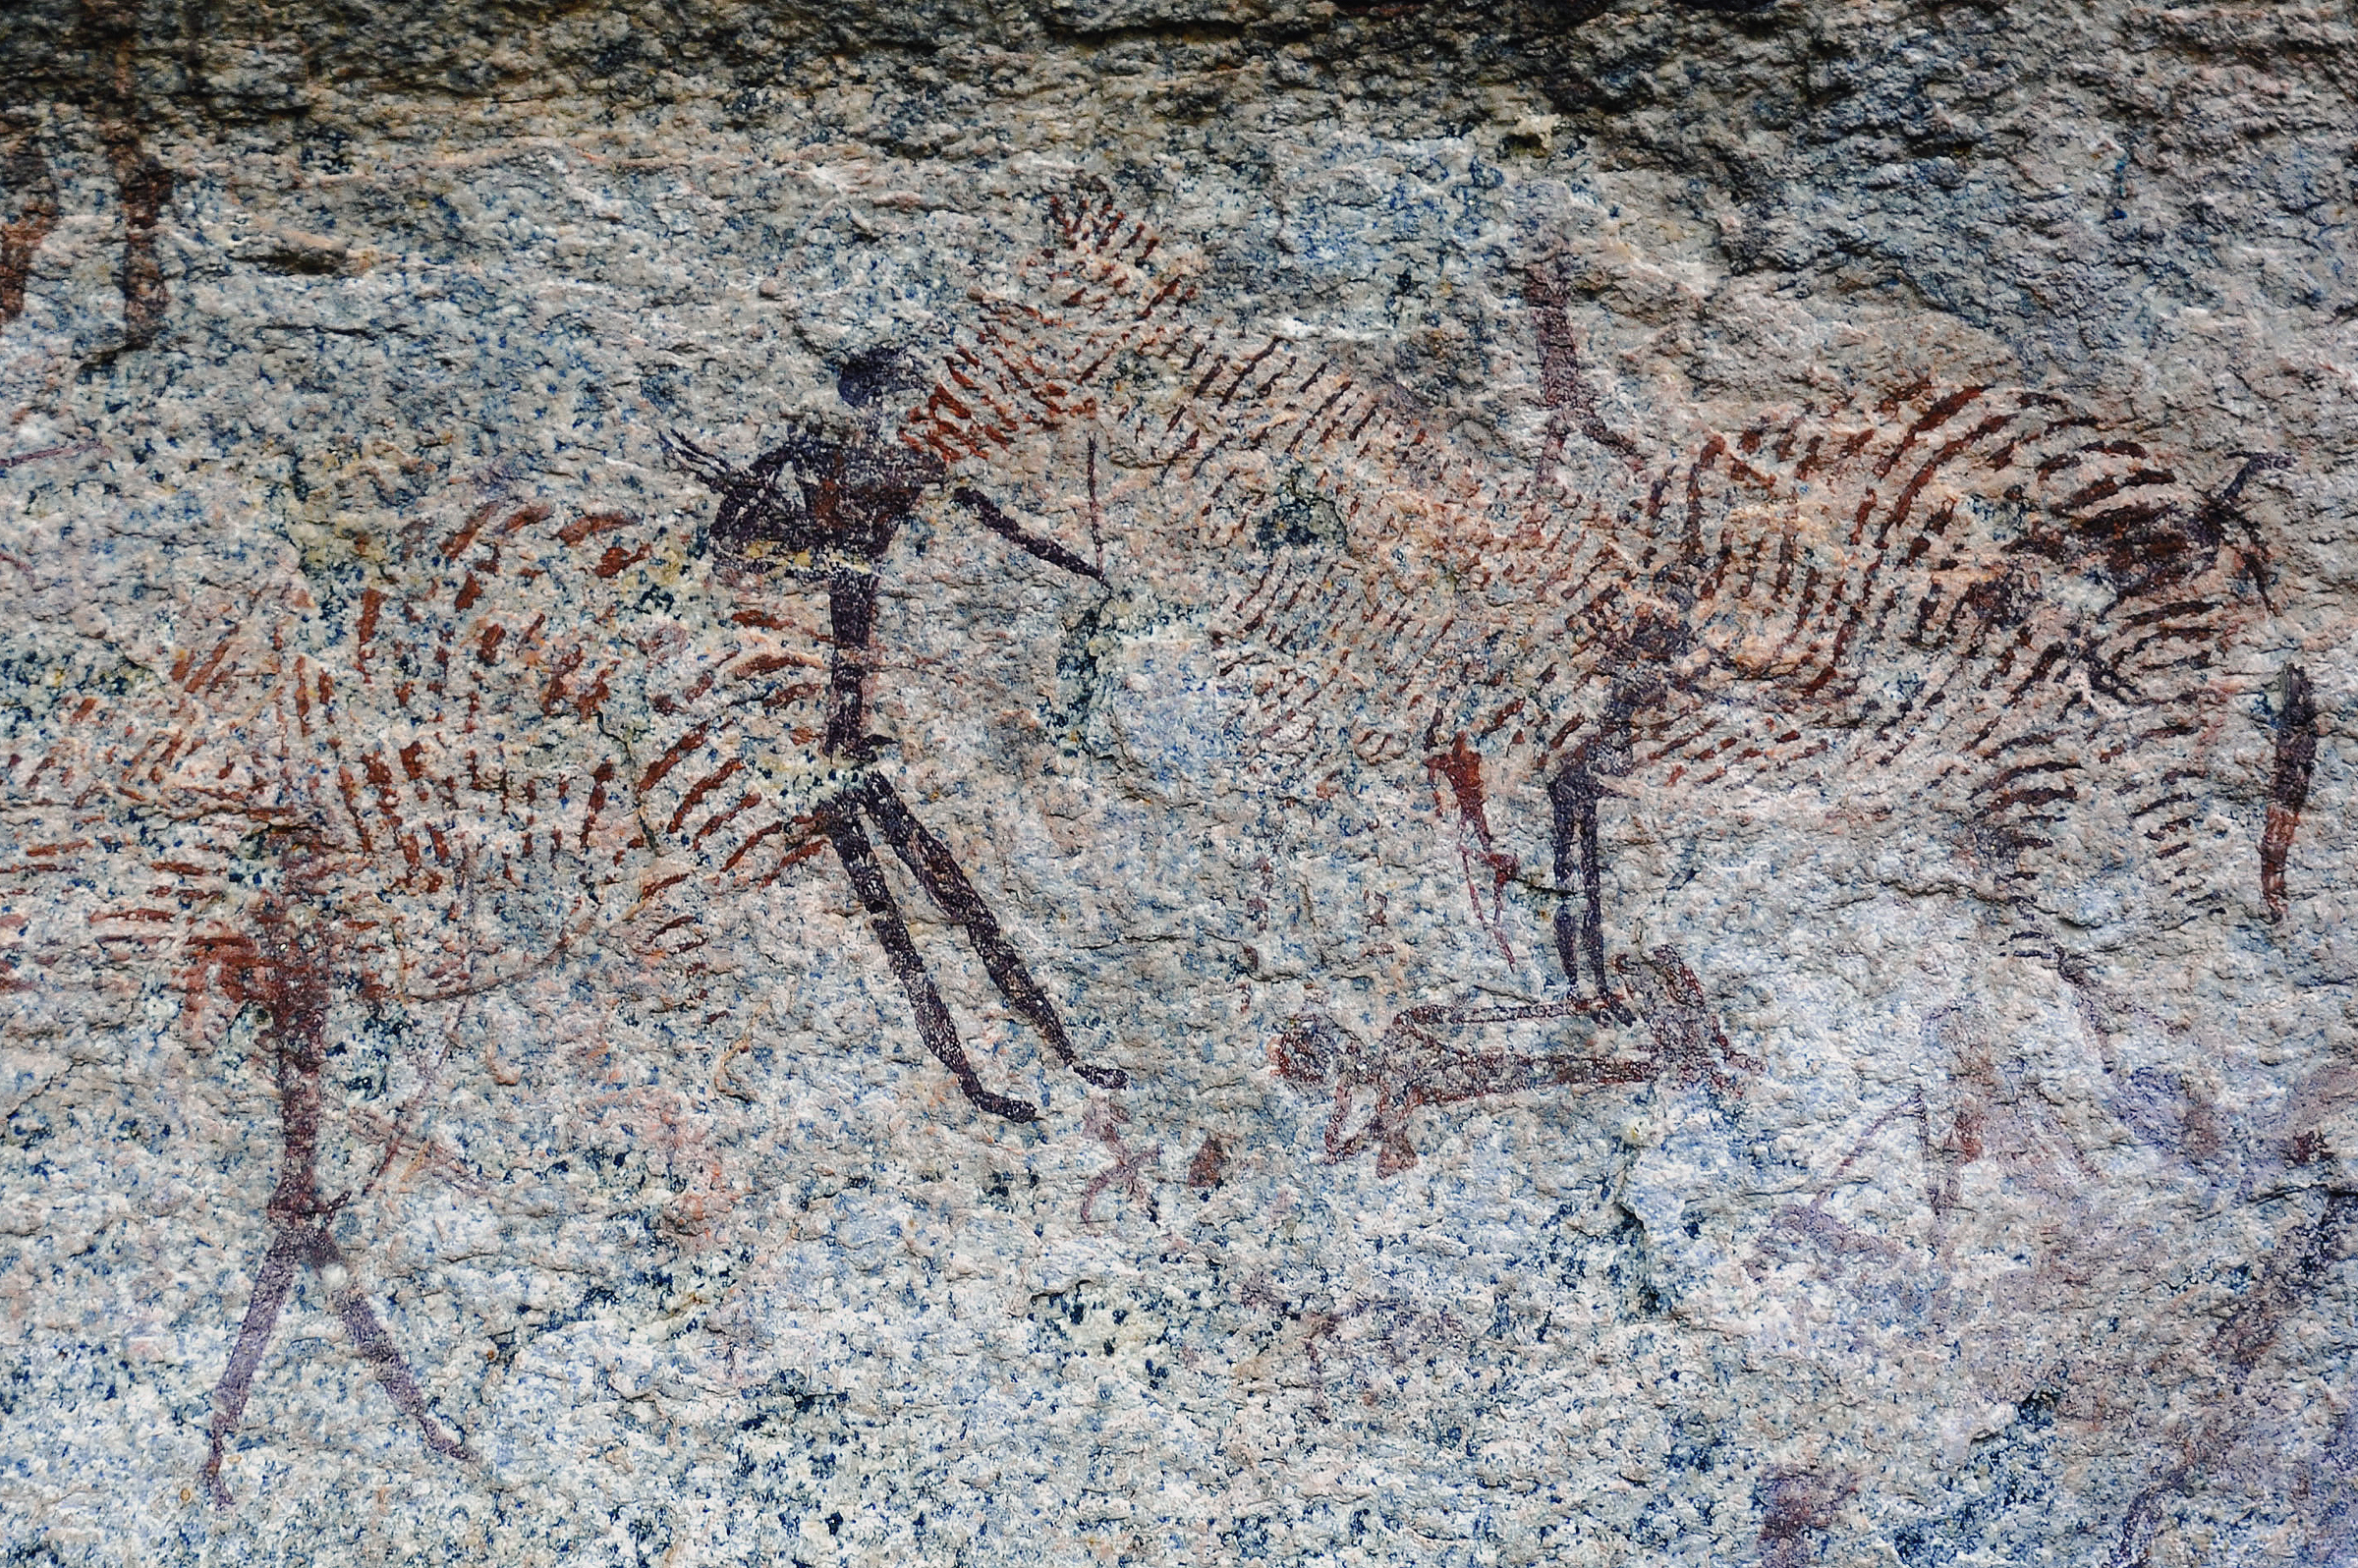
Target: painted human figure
pixel 824 509
pixel 283 965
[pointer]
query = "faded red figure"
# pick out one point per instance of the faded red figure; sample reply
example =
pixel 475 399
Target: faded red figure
pixel 1985 604
pixel 284 963
pixel 1421 1059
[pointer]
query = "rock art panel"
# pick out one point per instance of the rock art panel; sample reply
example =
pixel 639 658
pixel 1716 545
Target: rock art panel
pixel 835 813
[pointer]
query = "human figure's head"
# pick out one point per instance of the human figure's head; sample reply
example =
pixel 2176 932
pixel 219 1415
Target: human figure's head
pixel 870 379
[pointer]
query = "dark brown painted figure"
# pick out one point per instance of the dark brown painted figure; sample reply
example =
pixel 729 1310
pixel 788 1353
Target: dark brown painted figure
pixel 1797 1506
pixel 824 509
pixel 30 192
pixel 2288 786
pixel 144 184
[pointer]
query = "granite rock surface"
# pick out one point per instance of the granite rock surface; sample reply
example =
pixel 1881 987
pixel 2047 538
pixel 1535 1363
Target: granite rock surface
pixel 1164 782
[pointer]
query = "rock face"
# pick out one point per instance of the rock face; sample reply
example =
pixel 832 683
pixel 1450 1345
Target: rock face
pixel 1178 783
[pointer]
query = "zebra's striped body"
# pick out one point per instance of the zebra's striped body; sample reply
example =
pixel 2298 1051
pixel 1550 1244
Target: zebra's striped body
pixel 1975 598
pixel 491 741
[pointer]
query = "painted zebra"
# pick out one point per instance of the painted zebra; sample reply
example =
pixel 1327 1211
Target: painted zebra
pixel 1981 600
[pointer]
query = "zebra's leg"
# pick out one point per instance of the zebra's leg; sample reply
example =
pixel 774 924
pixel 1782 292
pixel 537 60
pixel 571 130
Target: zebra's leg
pixel 1573 795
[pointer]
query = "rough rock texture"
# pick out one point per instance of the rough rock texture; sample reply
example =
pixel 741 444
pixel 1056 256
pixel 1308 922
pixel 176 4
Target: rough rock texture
pixel 1171 782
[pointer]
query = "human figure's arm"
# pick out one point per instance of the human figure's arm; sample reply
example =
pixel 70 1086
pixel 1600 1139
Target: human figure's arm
pixel 1008 529
pixel 752 494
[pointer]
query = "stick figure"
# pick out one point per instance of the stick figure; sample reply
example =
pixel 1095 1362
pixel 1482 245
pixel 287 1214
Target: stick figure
pixel 824 509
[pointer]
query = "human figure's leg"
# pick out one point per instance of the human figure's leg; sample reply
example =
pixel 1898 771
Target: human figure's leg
pixel 270 1288
pixel 839 820
pixel 368 1337
pixel 930 859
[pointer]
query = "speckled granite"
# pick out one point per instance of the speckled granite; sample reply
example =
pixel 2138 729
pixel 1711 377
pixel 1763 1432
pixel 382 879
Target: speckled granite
pixel 1166 783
